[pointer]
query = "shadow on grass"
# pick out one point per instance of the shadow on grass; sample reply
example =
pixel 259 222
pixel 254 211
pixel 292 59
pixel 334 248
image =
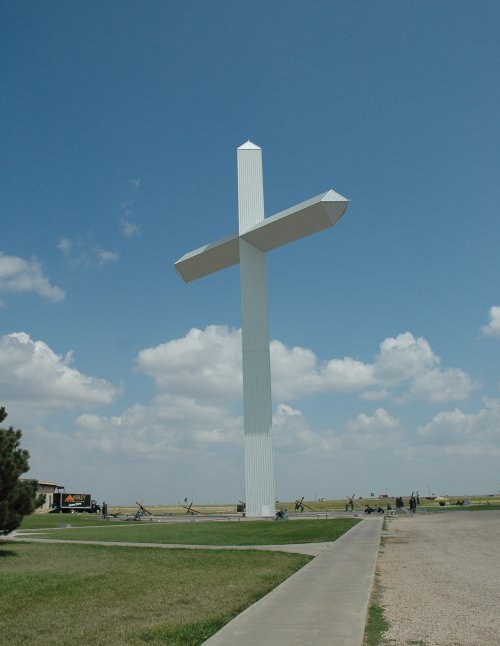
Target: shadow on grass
pixel 4 552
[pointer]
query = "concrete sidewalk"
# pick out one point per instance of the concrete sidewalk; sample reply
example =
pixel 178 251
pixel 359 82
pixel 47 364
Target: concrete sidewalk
pixel 324 604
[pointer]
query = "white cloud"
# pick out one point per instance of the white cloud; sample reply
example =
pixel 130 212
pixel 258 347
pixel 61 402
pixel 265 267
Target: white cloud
pixel 198 381
pixel 459 433
pixel 32 373
pixel 402 358
pixel 347 375
pixel 439 385
pixel 291 431
pixel 195 416
pixel 129 229
pixel 170 424
pixel 409 361
pixel 364 434
pixel 370 433
pixel 104 257
pixel 294 371
pixel 380 420
pixel 297 372
pixel 65 245
pixel 20 275
pixel 204 364
pixel 207 363
pixel 197 406
pixel 375 395
pixel 493 327
pixel 81 253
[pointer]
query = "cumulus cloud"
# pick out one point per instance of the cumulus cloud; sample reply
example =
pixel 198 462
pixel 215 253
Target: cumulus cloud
pixel 402 358
pixel 459 433
pixel 493 327
pixel 409 361
pixel 20 275
pixel 380 420
pixel 204 364
pixel 366 433
pixel 199 390
pixel 196 410
pixel 170 423
pixel 371 432
pixel 174 425
pixel 32 373
pixel 347 375
pixel 291 430
pixel 296 371
pixel 207 363
pixel 440 385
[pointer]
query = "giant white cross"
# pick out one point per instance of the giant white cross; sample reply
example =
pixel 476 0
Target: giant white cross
pixel 257 235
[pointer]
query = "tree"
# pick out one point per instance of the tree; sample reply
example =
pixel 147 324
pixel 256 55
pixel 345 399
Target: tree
pixel 18 498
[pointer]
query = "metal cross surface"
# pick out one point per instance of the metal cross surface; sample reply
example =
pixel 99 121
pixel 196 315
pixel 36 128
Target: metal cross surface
pixel 256 236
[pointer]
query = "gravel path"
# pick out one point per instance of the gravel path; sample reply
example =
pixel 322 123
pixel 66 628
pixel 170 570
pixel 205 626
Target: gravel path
pixel 440 579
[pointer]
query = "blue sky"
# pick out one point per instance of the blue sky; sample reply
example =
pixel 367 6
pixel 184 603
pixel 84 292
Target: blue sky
pixel 120 127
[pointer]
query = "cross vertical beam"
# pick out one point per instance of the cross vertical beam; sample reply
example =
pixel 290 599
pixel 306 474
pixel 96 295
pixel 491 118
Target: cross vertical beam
pixel 256 236
pixel 257 405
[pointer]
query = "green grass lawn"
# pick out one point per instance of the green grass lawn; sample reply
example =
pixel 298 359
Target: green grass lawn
pixel 85 594
pixel 90 594
pixel 210 533
pixel 35 521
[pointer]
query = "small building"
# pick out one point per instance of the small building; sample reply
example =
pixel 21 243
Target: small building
pixel 49 489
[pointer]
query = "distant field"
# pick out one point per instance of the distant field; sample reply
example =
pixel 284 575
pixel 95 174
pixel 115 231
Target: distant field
pixel 317 505
pixel 311 505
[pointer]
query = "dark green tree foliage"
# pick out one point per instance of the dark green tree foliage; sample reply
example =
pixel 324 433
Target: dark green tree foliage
pixel 18 498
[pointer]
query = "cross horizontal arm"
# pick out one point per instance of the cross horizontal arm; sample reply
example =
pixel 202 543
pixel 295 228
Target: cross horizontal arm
pixel 209 259
pixel 299 221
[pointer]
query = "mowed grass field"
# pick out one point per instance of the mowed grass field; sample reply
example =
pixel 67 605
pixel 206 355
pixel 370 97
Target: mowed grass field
pixel 87 594
pixel 206 533
pixel 90 594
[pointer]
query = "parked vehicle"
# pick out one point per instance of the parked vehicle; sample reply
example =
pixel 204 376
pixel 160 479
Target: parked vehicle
pixel 70 503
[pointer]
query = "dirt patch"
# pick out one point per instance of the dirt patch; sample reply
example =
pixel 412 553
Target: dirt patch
pixel 392 539
pixel 440 579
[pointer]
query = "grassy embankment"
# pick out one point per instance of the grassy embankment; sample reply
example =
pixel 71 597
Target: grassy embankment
pixel 93 594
